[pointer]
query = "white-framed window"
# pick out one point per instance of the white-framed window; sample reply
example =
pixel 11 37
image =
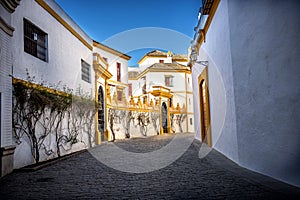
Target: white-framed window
pixel 35 41
pixel 169 80
pixel 118 72
pixel 85 71
pixel 130 89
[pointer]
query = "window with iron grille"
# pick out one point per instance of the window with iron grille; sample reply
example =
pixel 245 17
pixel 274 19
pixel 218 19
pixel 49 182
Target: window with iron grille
pixel 130 89
pixel 35 41
pixel 119 72
pixel 85 71
pixel 119 95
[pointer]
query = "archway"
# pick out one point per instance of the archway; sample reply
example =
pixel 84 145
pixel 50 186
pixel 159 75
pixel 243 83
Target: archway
pixel 164 116
pixel 101 112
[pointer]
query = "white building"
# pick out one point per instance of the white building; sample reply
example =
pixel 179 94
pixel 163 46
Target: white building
pixel 113 76
pixel 245 67
pixel 158 68
pixel 7 8
pixel 41 41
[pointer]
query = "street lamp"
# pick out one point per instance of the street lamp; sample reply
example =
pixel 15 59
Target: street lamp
pixel 194 57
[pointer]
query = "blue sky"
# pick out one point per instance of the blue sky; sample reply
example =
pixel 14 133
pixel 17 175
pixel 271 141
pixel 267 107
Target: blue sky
pixel 102 19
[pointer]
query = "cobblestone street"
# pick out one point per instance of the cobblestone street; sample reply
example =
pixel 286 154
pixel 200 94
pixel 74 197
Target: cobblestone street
pixel 84 177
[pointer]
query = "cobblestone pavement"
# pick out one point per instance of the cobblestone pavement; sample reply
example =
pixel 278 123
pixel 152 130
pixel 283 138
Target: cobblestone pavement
pixel 83 177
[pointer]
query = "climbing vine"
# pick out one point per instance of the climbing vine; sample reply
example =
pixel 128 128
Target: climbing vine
pixel 50 119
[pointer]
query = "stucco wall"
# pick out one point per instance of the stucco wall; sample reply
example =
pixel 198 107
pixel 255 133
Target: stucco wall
pixel 65 51
pixel 112 61
pixel 265 60
pixel 253 46
pixel 216 50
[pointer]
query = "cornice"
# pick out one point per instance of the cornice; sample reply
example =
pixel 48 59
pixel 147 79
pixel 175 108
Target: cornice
pixel 10 5
pixel 110 50
pixel 44 5
pixel 5 27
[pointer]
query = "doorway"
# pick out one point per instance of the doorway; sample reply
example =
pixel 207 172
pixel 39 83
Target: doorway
pixel 101 113
pixel 204 108
pixel 164 116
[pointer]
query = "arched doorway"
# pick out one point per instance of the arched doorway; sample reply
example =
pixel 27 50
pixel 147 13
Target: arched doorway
pixel 164 116
pixel 205 112
pixel 101 112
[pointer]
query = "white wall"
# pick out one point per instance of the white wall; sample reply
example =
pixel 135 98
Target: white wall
pixel 150 61
pixel 222 86
pixel 65 51
pixel 158 78
pixel 112 61
pixel 265 62
pixel 252 49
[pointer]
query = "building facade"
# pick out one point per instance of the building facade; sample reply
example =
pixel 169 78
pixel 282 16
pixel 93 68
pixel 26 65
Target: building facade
pixel 246 81
pixel 167 70
pixel 7 147
pixel 111 84
pixel 66 78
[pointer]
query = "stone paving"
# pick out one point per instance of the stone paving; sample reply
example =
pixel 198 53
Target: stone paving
pixel 84 177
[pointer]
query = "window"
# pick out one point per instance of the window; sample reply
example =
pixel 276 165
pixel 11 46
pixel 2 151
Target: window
pixel 161 61
pixel 130 89
pixel 169 80
pixel 119 72
pixel 119 93
pixel 191 121
pixel 85 71
pixel 35 41
pixel 144 85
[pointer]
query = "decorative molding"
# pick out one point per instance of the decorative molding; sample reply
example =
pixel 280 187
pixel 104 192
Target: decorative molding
pixel 143 73
pixel 161 91
pixel 183 92
pixel 205 134
pixel 5 27
pixel 117 83
pixel 10 5
pixel 40 87
pixel 100 70
pixel 110 50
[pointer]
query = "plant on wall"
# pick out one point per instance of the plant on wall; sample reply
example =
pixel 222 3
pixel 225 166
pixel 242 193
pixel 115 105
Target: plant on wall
pixel 179 119
pixel 143 121
pixel 40 113
pixel 154 118
pixel 111 119
pixel 172 123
